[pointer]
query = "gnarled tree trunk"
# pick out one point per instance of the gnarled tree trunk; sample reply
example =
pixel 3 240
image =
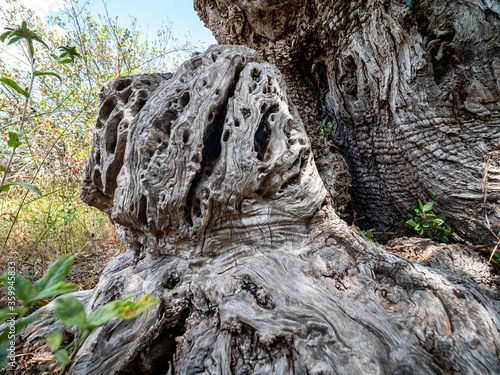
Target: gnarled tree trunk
pixel 413 92
pixel 210 179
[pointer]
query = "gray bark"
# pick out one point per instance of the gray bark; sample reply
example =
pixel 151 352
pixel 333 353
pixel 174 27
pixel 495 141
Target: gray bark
pixel 414 94
pixel 226 219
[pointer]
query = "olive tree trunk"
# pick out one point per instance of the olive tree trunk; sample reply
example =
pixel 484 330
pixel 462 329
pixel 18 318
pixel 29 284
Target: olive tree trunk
pixel 413 94
pixel 209 177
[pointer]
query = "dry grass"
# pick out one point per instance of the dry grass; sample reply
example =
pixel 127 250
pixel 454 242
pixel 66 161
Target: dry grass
pixel 58 223
pixel 47 227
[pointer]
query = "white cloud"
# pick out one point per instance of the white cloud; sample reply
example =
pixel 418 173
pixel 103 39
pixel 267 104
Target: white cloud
pixel 42 8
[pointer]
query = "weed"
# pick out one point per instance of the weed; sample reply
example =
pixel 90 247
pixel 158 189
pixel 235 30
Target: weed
pixel 68 309
pixel 422 219
pixel 327 130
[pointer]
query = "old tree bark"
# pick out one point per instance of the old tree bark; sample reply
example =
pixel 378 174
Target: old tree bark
pixel 227 197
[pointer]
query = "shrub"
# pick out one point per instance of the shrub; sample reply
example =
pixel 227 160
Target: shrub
pixel 423 220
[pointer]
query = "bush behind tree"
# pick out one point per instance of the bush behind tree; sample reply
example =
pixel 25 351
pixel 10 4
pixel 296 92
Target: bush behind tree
pixel 60 121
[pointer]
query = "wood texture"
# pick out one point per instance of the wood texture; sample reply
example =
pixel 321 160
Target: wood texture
pixel 413 92
pixel 228 223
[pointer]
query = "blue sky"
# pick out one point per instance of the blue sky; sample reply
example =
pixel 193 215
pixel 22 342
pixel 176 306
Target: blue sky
pixel 151 13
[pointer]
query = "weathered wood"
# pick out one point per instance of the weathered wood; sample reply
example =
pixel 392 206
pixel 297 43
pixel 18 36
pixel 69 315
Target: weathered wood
pixel 413 92
pixel 120 101
pixel 228 223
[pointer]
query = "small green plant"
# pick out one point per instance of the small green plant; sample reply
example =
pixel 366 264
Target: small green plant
pixel 423 220
pixel 326 131
pixel 495 254
pixel 68 309
pixel 28 36
pixel 68 54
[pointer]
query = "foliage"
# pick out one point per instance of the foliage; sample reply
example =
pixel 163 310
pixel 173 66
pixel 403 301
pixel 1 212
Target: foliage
pixel 369 235
pixel 26 35
pixel 327 130
pixel 52 148
pixel 6 187
pixel 422 219
pixel 68 309
pixel 494 254
pixel 23 33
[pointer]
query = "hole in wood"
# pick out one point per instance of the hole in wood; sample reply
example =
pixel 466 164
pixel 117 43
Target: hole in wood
pixel 245 112
pixel 263 135
pixel 185 99
pixel 106 109
pixel 122 84
pixel 141 214
pixel 185 135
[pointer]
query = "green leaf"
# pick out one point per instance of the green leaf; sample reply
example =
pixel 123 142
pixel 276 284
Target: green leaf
pixel 409 3
pixel 369 235
pixel 21 323
pixel 14 39
pixel 37 73
pixel 420 231
pixel 56 290
pixel 54 339
pixel 13 85
pixel 131 310
pixel 69 52
pixel 495 254
pixel 442 238
pixel 425 224
pixel 14 139
pixel 55 274
pixel 4 35
pixel 428 206
pixel 441 217
pixel 420 204
pixel 70 310
pixel 418 220
pixel 23 289
pixel 6 187
pixel 65 61
pixel 430 234
pixel 9 311
pixel 106 312
pixel 4 353
pixel 412 223
pixel 62 356
pixel 22 286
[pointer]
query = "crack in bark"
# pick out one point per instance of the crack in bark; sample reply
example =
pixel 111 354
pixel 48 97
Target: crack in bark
pixel 212 139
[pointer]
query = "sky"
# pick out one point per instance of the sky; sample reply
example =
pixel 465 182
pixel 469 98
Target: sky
pixel 149 13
